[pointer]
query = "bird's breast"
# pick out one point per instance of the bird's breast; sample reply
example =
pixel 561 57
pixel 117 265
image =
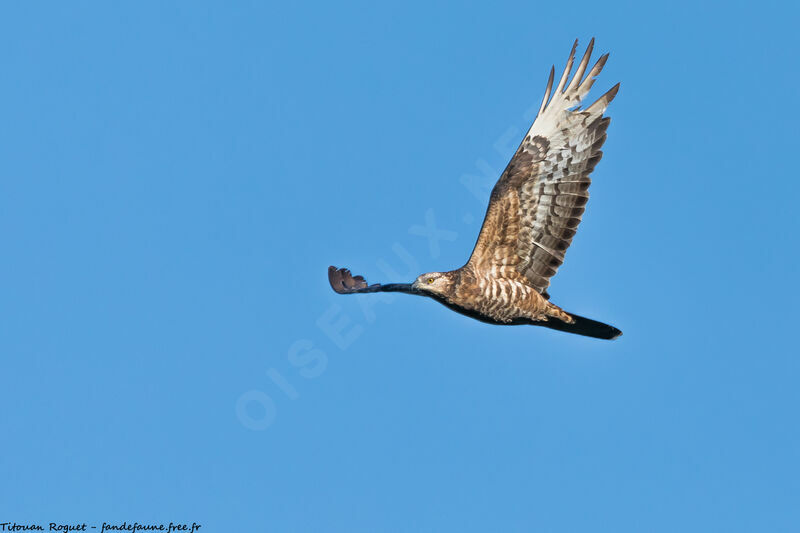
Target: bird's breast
pixel 500 298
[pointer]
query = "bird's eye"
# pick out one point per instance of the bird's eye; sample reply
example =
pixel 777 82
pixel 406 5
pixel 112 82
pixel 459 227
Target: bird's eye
pixel 429 280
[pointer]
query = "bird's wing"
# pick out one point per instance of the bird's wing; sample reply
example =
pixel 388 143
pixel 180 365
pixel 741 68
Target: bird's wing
pixel 343 282
pixel 537 204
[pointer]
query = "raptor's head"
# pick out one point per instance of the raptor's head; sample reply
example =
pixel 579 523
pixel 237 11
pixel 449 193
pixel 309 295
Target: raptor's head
pixel 435 282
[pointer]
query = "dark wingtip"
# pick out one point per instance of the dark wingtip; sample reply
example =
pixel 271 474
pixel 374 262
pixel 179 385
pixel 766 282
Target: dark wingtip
pixel 343 282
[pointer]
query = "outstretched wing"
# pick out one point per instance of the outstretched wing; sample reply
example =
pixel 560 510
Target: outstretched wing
pixel 537 204
pixel 343 282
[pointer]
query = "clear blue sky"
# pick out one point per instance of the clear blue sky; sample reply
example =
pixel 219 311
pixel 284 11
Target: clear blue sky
pixel 177 178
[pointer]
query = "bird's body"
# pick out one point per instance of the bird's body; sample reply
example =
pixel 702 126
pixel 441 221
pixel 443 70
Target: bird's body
pixel 534 211
pixel 500 294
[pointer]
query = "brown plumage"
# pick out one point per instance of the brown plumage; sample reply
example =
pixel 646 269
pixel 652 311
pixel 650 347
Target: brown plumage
pixel 534 211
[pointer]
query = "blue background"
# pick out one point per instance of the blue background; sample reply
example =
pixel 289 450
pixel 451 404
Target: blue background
pixel 177 177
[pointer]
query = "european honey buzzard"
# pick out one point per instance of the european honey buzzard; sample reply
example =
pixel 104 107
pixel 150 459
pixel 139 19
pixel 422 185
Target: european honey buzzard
pixel 534 211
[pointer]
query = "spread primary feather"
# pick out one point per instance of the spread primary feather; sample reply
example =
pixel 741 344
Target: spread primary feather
pixel 534 211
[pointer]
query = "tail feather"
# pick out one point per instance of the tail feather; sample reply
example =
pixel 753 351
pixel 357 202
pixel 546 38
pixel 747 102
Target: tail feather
pixel 583 326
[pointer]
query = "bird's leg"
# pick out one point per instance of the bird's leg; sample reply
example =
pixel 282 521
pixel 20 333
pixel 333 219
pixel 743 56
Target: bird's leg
pixel 556 312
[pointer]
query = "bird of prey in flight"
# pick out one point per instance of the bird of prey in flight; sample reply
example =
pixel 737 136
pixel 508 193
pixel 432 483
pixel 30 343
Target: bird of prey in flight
pixel 533 214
